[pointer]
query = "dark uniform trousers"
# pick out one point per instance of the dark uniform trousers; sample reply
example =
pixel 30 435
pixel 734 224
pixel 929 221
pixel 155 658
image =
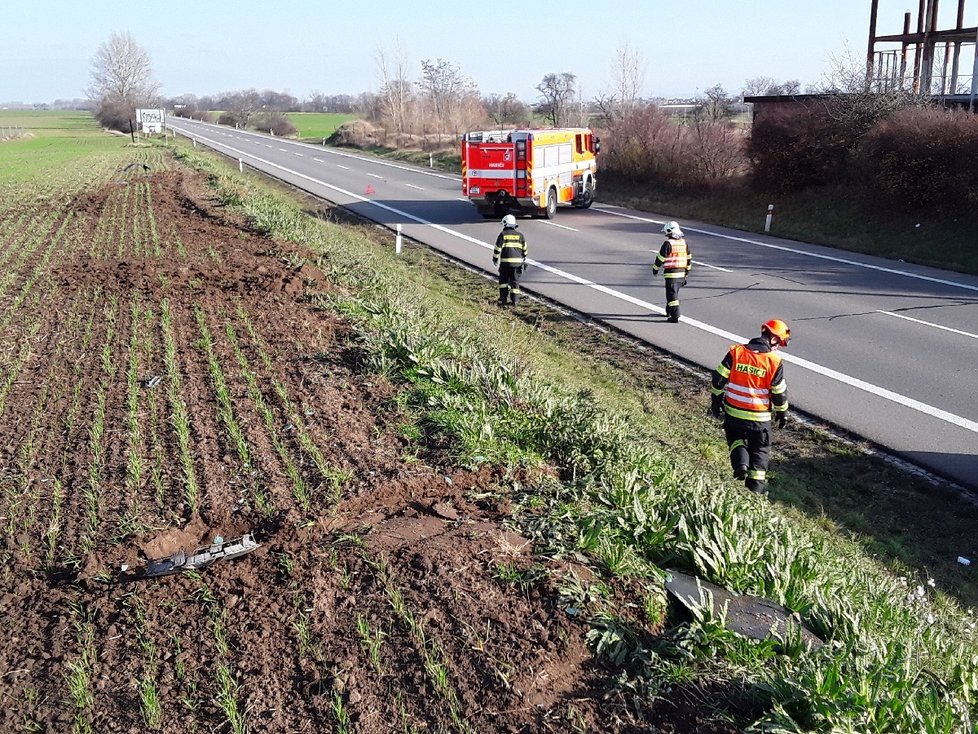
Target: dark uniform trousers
pixel 750 443
pixel 672 297
pixel 509 283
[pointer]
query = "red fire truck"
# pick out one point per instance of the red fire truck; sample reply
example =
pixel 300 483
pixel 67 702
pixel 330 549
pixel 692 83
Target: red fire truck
pixel 529 171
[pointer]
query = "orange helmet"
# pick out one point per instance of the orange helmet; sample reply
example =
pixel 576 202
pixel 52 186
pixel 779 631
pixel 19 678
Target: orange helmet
pixel 779 329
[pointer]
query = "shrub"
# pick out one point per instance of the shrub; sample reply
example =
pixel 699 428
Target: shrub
pixel 793 147
pixel 648 146
pixel 272 121
pixel 922 158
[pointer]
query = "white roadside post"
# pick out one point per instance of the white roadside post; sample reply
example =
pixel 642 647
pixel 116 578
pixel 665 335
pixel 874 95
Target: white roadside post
pixel 195 142
pixel 431 160
pixel 240 166
pixel 769 217
pixel 397 240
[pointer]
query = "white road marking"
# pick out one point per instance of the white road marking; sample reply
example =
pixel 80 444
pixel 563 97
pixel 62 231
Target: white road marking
pixel 832 374
pixel 928 323
pixel 283 150
pixel 562 226
pixel 412 186
pixel 345 168
pixel 711 267
pixel 375 175
pixel 319 160
pixel 782 248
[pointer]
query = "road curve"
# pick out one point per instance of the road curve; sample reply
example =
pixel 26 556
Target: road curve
pixel 884 349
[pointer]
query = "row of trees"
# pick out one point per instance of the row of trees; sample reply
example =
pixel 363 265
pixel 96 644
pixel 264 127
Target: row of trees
pixel 839 139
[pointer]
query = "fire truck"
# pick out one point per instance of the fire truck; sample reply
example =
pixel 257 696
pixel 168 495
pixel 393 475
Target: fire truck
pixel 529 171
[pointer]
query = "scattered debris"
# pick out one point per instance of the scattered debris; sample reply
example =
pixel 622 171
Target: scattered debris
pixel 964 561
pixel 750 616
pixel 202 557
pixel 150 381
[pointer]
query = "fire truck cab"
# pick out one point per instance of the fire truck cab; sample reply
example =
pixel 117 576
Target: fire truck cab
pixel 529 171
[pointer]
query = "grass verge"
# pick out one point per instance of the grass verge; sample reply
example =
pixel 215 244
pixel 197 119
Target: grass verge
pixel 625 475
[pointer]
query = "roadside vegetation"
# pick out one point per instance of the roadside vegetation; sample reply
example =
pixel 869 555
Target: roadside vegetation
pixel 605 483
pixel 595 454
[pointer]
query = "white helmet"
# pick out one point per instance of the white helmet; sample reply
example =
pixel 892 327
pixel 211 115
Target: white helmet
pixel 672 228
pixel 509 221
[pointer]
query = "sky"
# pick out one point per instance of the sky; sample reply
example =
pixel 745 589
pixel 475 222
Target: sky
pixel 205 47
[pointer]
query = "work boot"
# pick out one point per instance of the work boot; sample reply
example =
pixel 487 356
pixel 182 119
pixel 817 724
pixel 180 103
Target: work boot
pixel 740 473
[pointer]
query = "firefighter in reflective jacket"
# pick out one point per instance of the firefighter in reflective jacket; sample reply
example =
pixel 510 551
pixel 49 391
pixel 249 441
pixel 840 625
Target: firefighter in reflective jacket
pixel 675 260
pixel 510 256
pixel 749 390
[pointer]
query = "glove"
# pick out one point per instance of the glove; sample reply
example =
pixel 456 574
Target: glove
pixel 781 419
pixel 684 280
pixel 716 406
pixel 654 272
pixel 495 263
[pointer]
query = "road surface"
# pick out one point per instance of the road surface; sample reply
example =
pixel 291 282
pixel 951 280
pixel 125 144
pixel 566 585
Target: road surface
pixel 884 349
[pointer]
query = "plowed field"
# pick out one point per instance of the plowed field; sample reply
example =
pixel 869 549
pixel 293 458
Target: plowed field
pixel 386 594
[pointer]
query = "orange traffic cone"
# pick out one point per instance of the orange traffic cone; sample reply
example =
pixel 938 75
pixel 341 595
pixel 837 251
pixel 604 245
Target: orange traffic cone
pixel 369 190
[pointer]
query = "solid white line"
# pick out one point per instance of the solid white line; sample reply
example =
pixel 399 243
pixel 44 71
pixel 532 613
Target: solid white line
pixel 881 392
pixel 711 267
pixel 794 251
pixel 562 226
pixel 928 323
pixel 412 186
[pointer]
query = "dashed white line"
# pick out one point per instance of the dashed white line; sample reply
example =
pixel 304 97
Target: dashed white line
pixel 832 374
pixel 561 226
pixel 711 267
pixel 375 175
pixel 412 186
pixel 345 168
pixel 928 323
pixel 794 251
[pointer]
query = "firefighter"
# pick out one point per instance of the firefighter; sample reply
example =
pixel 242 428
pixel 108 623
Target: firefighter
pixel 510 256
pixel 675 260
pixel 748 390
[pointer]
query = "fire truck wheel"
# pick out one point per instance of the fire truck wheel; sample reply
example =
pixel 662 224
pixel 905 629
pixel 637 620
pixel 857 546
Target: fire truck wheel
pixel 587 198
pixel 551 211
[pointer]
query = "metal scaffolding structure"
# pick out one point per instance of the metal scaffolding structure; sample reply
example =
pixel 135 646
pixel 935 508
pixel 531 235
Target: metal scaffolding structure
pixel 927 61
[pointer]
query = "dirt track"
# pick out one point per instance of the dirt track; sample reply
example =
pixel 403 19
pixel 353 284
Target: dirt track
pixel 386 595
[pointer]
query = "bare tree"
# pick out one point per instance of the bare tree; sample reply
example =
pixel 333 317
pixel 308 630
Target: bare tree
pixel 767 86
pixel 557 94
pixel 121 80
pixel 627 79
pixel 395 87
pixel 715 104
pixel 506 110
pixel 445 88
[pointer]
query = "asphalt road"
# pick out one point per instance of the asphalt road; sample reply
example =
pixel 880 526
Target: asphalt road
pixel 884 349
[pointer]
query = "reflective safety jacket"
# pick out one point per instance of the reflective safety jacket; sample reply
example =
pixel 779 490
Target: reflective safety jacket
pixel 674 258
pixel 510 248
pixel 751 381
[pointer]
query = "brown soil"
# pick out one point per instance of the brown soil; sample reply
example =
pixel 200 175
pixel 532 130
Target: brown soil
pixel 406 553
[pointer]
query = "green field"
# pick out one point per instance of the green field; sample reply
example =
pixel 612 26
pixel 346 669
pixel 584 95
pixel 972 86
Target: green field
pixel 318 124
pixel 51 141
pixel 599 454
